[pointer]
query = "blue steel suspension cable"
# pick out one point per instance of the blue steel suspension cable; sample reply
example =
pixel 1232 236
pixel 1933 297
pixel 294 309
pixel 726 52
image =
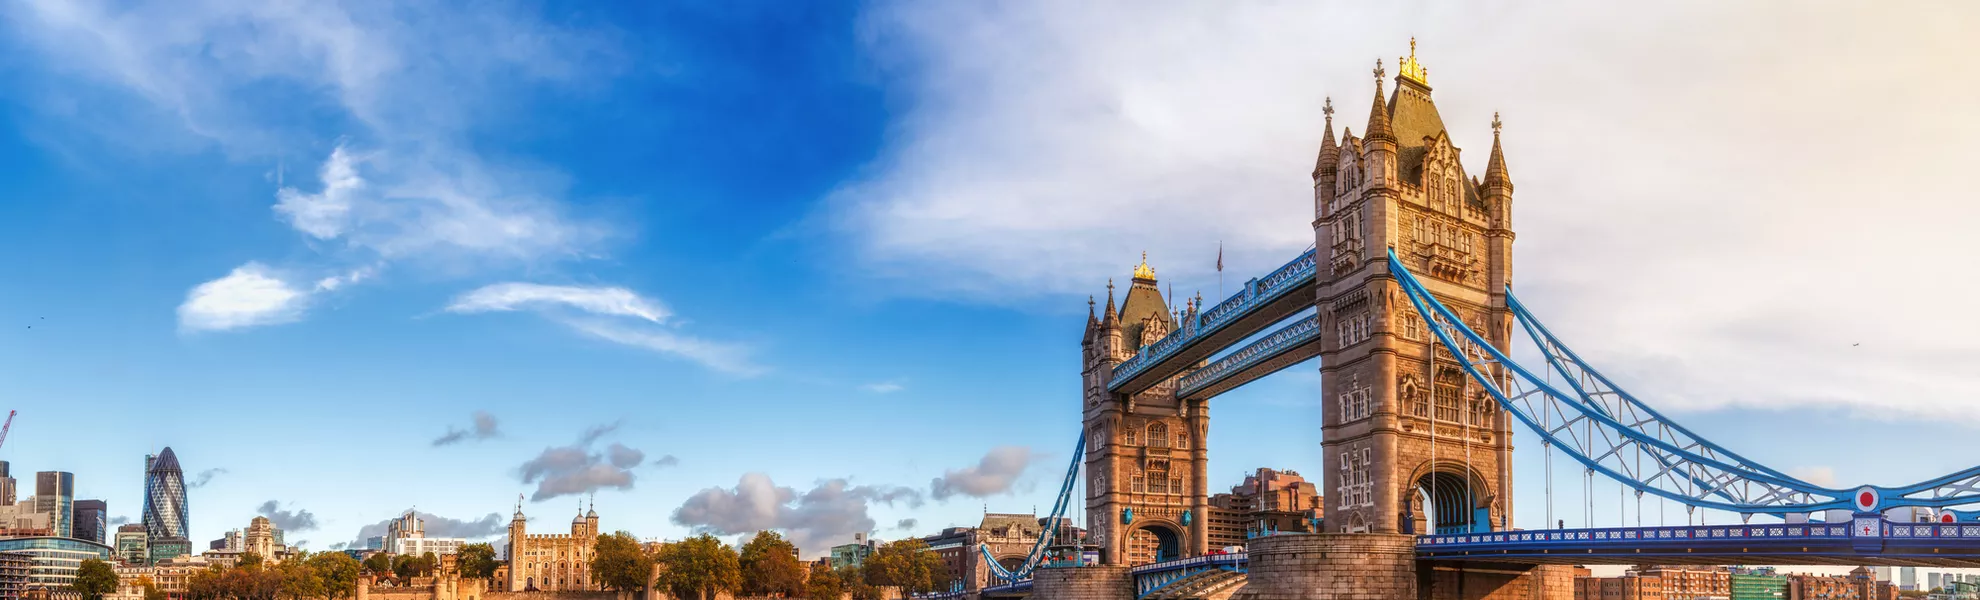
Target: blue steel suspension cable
pixel 1054 520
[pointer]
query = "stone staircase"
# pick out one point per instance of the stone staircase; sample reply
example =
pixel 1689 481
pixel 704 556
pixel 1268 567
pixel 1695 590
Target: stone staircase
pixel 1208 585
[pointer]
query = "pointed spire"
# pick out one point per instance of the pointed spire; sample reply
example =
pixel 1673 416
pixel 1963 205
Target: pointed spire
pixel 1495 167
pixel 1110 318
pixel 1091 319
pixel 1330 152
pixel 1378 117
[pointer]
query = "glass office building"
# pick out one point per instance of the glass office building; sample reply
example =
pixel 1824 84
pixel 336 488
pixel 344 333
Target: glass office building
pixel 55 493
pixel 55 558
pixel 164 498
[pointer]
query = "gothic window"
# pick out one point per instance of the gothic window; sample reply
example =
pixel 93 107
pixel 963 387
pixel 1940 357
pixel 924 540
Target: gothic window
pixel 1355 489
pixel 1175 485
pixel 1182 440
pixel 1354 401
pixel 1464 241
pixel 1412 393
pixel 1096 439
pixel 1481 410
pixel 1140 483
pixel 1130 437
pixel 1158 435
pixel 1449 392
pixel 1158 484
pixel 1352 329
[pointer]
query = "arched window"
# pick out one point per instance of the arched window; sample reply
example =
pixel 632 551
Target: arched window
pixel 1140 483
pixel 1129 437
pixel 1158 435
pixel 1449 392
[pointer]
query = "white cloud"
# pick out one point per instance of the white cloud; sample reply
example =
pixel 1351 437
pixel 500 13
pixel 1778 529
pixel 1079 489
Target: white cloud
pixel 610 301
pixel 249 296
pixel 992 475
pixel 403 86
pixel 613 314
pixel 725 357
pixel 1715 222
pixel 323 215
pixel 883 387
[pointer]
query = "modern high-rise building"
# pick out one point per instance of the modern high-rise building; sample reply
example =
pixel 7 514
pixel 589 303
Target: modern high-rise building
pixel 92 521
pixel 131 546
pixel 164 498
pixel 55 493
pixel 1908 579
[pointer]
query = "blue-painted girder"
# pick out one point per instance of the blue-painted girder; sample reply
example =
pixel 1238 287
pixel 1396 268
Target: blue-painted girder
pixel 1286 338
pixel 1882 542
pixel 1054 520
pixel 1682 466
pixel 1154 577
pixel 1256 293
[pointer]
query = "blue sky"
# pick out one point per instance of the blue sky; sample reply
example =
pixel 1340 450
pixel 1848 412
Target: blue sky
pixel 826 254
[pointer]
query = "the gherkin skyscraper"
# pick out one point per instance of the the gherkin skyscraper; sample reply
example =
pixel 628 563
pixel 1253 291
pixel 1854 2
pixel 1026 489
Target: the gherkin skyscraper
pixel 165 498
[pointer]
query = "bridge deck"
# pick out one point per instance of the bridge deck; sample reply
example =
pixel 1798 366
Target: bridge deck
pixel 1261 303
pixel 1884 543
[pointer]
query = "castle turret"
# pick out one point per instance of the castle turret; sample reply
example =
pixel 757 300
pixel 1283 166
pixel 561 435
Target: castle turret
pixel 1325 168
pixel 1379 147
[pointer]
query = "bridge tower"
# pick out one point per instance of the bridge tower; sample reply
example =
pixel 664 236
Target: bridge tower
pixel 1146 476
pixel 1407 434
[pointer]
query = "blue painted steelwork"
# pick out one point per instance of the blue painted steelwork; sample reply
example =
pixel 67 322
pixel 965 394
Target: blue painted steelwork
pixel 1682 466
pixel 1271 346
pixel 1256 293
pixel 1152 577
pixel 1868 540
pixel 1054 520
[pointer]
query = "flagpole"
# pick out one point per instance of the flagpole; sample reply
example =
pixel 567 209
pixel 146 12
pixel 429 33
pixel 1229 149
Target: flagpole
pixel 1220 271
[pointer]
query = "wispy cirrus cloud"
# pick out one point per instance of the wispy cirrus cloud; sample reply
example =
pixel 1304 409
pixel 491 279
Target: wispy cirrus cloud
pixel 883 387
pixel 612 314
pixel 397 89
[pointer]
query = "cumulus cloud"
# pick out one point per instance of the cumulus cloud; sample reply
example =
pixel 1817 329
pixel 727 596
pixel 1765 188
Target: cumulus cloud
pixel 612 314
pixel 487 526
pixel 250 295
pixel 815 520
pixel 287 520
pixel 576 469
pixel 1042 145
pixel 666 461
pixel 992 475
pixel 340 545
pixel 200 479
pixel 484 428
pixel 906 524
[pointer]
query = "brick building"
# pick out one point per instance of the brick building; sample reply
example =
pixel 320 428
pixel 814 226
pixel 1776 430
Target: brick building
pixel 1630 586
pixel 1268 500
pixel 1691 582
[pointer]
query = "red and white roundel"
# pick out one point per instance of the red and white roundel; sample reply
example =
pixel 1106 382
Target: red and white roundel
pixel 1946 516
pixel 1866 499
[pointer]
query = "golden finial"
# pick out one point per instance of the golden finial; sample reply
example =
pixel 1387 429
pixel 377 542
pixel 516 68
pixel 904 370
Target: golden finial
pixel 1408 68
pixel 1143 272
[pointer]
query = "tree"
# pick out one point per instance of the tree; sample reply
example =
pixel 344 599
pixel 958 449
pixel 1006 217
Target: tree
pixel 429 564
pixel 404 567
pixel 151 592
pixel 94 578
pixel 378 564
pixel 249 560
pixel 770 566
pixel 339 572
pixel 699 567
pixel 478 561
pixel 619 564
pixel 823 584
pixel 297 580
pixel 909 565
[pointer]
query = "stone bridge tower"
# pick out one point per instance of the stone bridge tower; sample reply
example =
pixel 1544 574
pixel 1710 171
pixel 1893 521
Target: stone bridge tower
pixel 1146 473
pixel 1407 434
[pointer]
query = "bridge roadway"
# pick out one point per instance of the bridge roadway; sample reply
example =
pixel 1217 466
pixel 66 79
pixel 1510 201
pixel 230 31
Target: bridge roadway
pixel 1868 541
pixel 1262 303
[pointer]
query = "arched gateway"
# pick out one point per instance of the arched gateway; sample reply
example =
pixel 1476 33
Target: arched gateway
pixel 1412 445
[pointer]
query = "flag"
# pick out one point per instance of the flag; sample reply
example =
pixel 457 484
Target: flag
pixel 1220 257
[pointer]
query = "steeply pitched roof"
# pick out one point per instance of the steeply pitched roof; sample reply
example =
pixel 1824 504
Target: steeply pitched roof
pixel 1143 301
pixel 1413 117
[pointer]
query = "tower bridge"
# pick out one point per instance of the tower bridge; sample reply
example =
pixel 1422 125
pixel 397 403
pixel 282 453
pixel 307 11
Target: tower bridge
pixel 1406 299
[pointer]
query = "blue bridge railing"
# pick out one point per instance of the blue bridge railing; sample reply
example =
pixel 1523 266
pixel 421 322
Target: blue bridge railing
pixel 1271 346
pixel 1256 293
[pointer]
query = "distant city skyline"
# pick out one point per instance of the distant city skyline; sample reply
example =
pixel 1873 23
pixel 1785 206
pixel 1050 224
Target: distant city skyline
pixel 824 269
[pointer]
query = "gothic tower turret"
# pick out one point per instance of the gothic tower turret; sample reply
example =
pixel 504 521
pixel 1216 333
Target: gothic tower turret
pixel 1407 435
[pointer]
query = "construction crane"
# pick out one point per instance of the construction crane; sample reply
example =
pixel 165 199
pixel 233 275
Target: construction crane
pixel 4 428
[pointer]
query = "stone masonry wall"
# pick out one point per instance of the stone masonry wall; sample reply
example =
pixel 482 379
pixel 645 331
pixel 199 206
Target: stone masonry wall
pixel 1084 583
pixel 1460 581
pixel 1330 566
